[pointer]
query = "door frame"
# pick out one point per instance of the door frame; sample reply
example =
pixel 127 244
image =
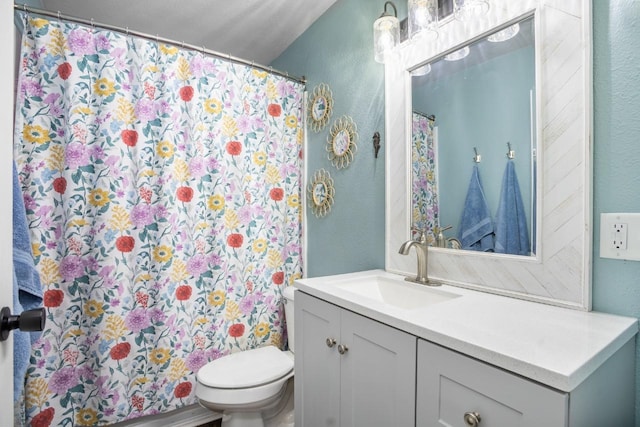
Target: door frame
pixel 7 35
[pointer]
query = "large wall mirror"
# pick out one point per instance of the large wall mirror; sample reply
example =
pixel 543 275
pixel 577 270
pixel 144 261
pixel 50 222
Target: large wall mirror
pixel 473 114
pixel 503 95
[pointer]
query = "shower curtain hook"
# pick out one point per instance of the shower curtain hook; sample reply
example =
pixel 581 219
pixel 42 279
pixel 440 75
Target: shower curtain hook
pixel 58 16
pixel 127 31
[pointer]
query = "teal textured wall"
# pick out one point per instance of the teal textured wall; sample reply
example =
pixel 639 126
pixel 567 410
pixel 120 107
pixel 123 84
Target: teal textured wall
pixel 338 50
pixel 616 166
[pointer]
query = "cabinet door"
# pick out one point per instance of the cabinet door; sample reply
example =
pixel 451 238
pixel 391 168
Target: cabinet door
pixel 450 385
pixel 317 365
pixel 378 374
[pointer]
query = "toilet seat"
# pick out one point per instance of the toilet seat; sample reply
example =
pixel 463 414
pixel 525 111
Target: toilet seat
pixel 238 390
pixel 246 369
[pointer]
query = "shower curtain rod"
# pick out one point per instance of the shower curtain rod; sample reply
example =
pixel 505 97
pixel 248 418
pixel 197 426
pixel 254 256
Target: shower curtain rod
pixel 127 31
pixel 431 117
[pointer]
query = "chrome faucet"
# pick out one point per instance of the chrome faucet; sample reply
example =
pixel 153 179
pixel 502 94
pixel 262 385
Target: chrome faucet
pixel 422 252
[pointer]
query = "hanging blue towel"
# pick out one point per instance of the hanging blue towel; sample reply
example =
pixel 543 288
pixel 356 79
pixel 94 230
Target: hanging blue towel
pixel 27 291
pixel 512 235
pixel 476 226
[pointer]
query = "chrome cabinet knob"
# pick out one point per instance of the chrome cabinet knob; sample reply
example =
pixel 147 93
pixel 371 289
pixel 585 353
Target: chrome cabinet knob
pixel 472 419
pixel 330 342
pixel 342 349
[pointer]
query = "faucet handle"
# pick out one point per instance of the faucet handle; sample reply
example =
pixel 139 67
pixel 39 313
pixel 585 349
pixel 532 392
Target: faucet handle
pixel 441 241
pixel 422 234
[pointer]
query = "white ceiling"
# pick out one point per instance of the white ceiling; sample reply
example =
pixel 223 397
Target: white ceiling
pixel 254 30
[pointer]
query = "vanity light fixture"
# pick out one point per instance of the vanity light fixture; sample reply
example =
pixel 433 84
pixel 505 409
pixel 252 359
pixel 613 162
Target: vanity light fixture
pixel 467 10
pixel 458 54
pixel 423 17
pixel 504 35
pixel 386 33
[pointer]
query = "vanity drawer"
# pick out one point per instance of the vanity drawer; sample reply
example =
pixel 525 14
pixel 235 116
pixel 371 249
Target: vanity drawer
pixel 450 385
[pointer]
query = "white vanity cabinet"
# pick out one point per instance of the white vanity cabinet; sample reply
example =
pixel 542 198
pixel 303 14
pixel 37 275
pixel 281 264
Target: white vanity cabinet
pixel 457 391
pixel 454 390
pixel 351 370
pixel 475 359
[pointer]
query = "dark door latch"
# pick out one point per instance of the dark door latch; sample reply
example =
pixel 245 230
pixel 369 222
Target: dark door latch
pixel 28 321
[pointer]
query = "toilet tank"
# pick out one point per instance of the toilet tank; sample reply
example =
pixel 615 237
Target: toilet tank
pixel 288 314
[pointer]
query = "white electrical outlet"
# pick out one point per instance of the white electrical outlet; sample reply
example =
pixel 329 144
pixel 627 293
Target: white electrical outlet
pixel 619 241
pixel 620 236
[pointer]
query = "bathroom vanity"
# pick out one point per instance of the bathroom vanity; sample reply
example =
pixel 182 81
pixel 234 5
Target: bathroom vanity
pixel 375 350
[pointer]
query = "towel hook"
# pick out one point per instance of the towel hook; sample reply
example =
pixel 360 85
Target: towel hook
pixel 510 153
pixel 477 158
pixel 376 144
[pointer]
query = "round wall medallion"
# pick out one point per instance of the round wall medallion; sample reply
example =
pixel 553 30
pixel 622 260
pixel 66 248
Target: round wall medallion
pixel 321 192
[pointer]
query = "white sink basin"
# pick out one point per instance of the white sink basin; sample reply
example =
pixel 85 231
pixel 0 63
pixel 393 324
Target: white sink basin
pixel 395 292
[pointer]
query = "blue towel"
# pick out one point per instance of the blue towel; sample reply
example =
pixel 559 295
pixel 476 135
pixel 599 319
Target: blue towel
pixel 27 291
pixel 476 226
pixel 512 235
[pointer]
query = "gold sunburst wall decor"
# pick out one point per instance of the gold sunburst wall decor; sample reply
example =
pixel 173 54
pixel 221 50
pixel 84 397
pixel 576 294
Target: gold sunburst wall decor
pixel 320 107
pixel 341 142
pixel 321 192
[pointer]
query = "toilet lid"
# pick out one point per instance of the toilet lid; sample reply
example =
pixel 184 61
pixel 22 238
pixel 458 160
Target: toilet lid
pixel 246 368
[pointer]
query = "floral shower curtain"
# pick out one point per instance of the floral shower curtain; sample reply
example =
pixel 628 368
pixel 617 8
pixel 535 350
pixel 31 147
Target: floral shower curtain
pixel 162 189
pixel 424 187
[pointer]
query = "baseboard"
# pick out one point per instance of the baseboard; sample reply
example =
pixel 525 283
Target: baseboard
pixel 189 416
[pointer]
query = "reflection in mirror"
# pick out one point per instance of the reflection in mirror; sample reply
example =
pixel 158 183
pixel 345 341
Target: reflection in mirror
pixel 424 186
pixel 319 193
pixel 318 108
pixel 341 143
pixel 482 97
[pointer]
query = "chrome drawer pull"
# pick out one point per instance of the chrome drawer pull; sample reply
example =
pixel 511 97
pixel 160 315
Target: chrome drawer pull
pixel 472 419
pixel 330 342
pixel 342 349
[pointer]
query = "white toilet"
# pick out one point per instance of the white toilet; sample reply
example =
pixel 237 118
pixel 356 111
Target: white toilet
pixel 252 388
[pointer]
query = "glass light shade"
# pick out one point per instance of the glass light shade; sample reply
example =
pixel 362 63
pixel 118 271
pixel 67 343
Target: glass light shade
pixel 466 10
pixel 422 70
pixel 504 35
pixel 386 35
pixel 423 16
pixel 458 54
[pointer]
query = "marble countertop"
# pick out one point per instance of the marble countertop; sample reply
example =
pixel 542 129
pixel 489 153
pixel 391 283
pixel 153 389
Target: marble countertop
pixel 555 346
